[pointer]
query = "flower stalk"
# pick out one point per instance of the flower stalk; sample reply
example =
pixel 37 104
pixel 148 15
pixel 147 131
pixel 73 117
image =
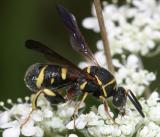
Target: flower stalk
pixel 104 35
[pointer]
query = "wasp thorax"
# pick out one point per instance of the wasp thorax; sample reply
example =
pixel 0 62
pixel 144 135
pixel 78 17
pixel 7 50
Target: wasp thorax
pixel 31 76
pixel 119 98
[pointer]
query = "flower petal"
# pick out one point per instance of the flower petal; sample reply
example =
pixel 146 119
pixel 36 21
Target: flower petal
pixel 11 132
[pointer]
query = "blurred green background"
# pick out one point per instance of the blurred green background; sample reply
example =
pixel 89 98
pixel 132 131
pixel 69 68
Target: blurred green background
pixel 38 20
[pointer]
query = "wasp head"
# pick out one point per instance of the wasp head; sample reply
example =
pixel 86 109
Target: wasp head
pixel 119 99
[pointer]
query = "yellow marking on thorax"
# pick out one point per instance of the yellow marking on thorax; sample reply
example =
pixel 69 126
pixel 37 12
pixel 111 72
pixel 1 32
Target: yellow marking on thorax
pixel 40 78
pixel 103 88
pixel 88 70
pixel 52 80
pixel 110 82
pixel 98 80
pixel 82 86
pixel 49 92
pixel 104 91
pixel 63 73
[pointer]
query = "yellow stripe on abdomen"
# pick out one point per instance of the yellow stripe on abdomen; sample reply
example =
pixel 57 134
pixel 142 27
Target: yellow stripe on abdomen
pixel 89 70
pixel 40 78
pixel 52 80
pixel 64 73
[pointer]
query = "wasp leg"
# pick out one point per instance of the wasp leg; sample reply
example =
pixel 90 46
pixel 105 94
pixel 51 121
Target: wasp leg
pixel 106 107
pixel 73 91
pixel 53 97
pixel 70 94
pixel 34 107
pixel 78 105
pixel 48 94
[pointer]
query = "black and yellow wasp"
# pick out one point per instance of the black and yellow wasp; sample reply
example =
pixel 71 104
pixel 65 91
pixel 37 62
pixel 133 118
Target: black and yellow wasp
pixel 92 80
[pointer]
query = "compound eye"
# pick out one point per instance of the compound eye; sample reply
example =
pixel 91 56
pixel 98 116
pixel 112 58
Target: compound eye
pixel 119 101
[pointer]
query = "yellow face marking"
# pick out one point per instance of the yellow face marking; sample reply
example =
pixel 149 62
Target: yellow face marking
pixel 89 70
pixel 52 80
pixel 110 82
pixel 63 73
pixel 49 92
pixel 40 78
pixel 82 86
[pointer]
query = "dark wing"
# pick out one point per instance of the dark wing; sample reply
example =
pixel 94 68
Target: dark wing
pixel 52 56
pixel 77 40
pixel 49 54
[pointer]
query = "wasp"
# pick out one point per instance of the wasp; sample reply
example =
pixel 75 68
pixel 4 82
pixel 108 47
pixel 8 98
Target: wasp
pixel 60 73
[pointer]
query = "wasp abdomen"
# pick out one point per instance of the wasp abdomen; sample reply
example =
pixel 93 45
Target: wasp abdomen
pixel 40 76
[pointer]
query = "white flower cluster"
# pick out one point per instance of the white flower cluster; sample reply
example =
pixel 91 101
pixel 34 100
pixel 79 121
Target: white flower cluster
pixel 130 74
pixel 98 124
pixel 56 122
pixel 44 121
pixel 134 27
pixel 151 126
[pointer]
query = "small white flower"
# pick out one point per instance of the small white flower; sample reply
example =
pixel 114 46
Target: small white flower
pixel 80 122
pixel 10 124
pixel 152 100
pixel 100 58
pixel 4 117
pixel 72 135
pixel 56 123
pixel 47 113
pixel 20 109
pixel 39 132
pixel 37 116
pixel 90 23
pixel 150 130
pixel 66 109
pixel 28 129
pixel 15 132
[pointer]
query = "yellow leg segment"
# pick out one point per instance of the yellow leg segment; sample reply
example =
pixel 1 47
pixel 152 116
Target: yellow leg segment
pixel 34 107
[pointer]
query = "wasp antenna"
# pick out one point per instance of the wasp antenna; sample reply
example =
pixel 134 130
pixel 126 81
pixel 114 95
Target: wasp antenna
pixel 139 109
pixel 135 99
